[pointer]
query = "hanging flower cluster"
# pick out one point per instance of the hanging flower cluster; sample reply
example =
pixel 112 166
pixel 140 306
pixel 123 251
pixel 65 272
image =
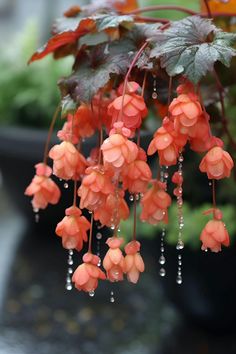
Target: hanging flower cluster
pixel 118 166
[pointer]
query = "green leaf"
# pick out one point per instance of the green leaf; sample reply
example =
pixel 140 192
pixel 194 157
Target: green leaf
pixel 191 47
pixel 94 69
pixel 67 106
pixel 107 21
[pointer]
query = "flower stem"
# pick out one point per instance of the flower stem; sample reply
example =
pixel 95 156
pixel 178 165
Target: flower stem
pixel 151 19
pixel 54 118
pixel 208 8
pixel 75 193
pixel 163 7
pixel 135 217
pixel 214 193
pixel 90 235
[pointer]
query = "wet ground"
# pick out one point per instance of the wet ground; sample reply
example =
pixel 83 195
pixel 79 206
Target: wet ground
pixel 39 316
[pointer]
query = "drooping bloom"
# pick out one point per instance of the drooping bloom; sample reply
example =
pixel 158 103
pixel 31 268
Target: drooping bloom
pixel 87 274
pixel 117 149
pixel 168 144
pixel 67 161
pixel 155 203
pixel 69 131
pixel 43 189
pixel 217 163
pixel 214 233
pixel 134 264
pixel 130 108
pixel 137 174
pixel 84 121
pixel 113 210
pixel 185 110
pixel 73 229
pixel 95 187
pixel 113 261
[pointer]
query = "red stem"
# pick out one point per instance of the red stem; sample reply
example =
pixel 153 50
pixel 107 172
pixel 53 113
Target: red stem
pixel 151 19
pixel 208 8
pixel 225 122
pixel 75 193
pixel 135 217
pixel 214 194
pixel 163 7
pixel 90 235
pixel 54 118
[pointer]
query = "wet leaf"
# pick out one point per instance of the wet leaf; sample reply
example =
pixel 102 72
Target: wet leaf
pixel 191 47
pixel 94 69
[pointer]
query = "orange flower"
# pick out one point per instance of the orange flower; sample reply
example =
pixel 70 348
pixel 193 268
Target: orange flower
pixel 43 189
pixel 214 233
pixel 134 264
pixel 185 110
pixel 86 276
pixel 113 261
pixel 118 150
pixel 130 108
pixel 95 187
pixel 155 203
pixel 113 210
pixel 164 143
pixel 73 229
pixel 69 132
pixel 217 163
pixel 137 174
pixel 67 161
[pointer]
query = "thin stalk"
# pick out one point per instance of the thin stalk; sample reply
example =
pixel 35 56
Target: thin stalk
pixel 208 8
pixel 151 19
pixel 90 235
pixel 163 7
pixel 54 118
pixel 135 218
pixel 214 194
pixel 75 193
pixel 225 122
pixel 169 93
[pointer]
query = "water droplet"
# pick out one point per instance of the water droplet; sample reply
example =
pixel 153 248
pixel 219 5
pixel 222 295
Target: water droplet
pixel 179 279
pixel 36 218
pixel 162 272
pixel 60 179
pixel 112 299
pixel 99 236
pixel 181 225
pixel 137 196
pixel 206 250
pixel 92 293
pixel 118 230
pixel 112 227
pixel 66 185
pixel 69 286
pixel 166 175
pixel 99 262
pixel 70 261
pixel 181 158
pixel 162 249
pixel 131 197
pixel 90 211
pixel 36 210
pixel 179 272
pixel 162 259
pixel 68 279
pixel 210 183
pixel 180 245
pixel 70 270
pixel 154 95
pixel 71 252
